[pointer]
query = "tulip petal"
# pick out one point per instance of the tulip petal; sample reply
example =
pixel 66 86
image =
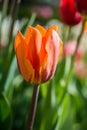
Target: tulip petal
pixel 34 37
pixel 34 41
pixel 41 30
pixel 17 39
pixel 61 49
pixel 53 51
pixel 43 53
pixel 25 67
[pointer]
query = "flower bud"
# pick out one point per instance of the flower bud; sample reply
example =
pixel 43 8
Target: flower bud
pixel 38 53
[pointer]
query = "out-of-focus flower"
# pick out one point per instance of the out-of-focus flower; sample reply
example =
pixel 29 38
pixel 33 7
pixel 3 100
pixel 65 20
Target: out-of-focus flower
pixel 6 25
pixel 69 49
pixel 69 13
pixel 38 53
pixel 5 31
pixel 80 69
pixel 81 6
pixel 17 26
pixel 43 11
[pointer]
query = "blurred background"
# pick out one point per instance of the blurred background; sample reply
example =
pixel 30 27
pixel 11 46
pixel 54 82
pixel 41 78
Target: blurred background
pixel 62 103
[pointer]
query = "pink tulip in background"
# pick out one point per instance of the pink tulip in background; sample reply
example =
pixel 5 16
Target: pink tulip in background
pixel 69 49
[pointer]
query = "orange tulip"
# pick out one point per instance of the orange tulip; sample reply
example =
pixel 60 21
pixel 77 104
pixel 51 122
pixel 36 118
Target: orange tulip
pixel 38 53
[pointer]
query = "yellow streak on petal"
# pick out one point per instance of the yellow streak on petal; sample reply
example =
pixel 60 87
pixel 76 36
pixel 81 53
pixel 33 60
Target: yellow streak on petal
pixel 60 48
pixel 85 27
pixel 54 27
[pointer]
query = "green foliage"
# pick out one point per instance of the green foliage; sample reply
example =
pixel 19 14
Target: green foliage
pixel 5 113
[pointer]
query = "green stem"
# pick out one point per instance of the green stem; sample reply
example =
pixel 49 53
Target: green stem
pixel 32 112
pixel 79 39
pixel 72 62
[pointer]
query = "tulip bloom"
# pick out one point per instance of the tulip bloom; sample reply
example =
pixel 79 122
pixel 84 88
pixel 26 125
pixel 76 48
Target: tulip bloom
pixel 81 6
pixel 38 53
pixel 69 13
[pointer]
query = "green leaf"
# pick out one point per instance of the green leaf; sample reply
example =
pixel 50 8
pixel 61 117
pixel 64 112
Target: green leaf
pixel 8 88
pixel 67 65
pixel 66 115
pixel 5 114
pixel 50 108
pixel 43 89
pixel 30 22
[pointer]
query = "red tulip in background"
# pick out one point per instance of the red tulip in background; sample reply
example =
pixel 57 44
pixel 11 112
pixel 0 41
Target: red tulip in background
pixel 69 13
pixel 81 5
